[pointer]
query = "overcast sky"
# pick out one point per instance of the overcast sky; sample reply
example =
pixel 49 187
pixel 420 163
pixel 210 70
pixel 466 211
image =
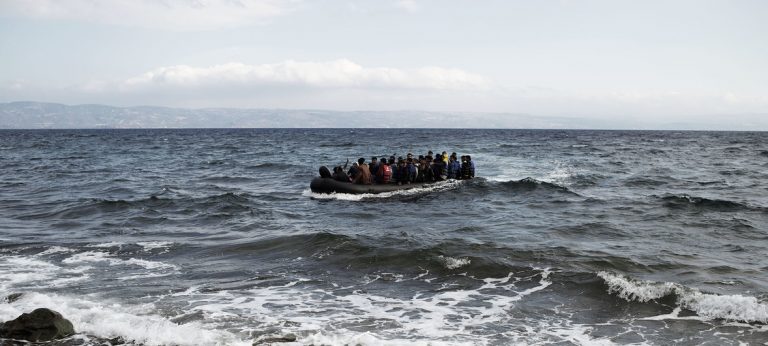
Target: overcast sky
pixel 651 60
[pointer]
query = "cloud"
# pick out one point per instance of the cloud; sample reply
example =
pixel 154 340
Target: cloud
pixel 410 6
pixel 182 15
pixel 332 74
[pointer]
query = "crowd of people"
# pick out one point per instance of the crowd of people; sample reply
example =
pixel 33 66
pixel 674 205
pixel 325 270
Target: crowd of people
pixel 424 169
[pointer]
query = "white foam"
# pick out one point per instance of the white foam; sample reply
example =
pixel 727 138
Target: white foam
pixel 708 306
pixel 97 256
pixel 560 174
pixel 436 187
pixel 152 245
pixel 368 339
pixel 579 335
pixel 453 263
pixel 53 250
pixel 21 272
pixel 108 320
pixel 448 316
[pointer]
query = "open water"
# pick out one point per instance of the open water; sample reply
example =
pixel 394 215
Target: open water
pixel 205 237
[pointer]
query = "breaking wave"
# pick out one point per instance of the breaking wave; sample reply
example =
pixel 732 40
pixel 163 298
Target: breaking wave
pixel 706 305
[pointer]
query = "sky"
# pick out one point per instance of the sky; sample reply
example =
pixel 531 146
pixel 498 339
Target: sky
pixel 653 61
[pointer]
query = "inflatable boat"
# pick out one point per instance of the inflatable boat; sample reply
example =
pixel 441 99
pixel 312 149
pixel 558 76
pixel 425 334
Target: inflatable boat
pixel 329 185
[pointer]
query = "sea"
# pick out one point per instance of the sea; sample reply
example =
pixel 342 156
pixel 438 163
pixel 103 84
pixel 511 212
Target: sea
pixel 213 237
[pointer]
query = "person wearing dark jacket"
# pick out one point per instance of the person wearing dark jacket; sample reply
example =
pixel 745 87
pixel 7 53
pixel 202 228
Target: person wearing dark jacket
pixel 454 168
pixel 339 175
pixel 352 172
pixel 403 173
pixel 374 167
pixel 439 170
pixel 413 171
pixel 324 172
pixel 467 167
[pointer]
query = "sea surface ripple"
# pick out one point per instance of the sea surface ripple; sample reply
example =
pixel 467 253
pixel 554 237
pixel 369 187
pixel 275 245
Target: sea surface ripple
pixel 212 237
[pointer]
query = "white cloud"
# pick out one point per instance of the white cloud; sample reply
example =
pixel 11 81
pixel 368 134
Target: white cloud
pixel 410 6
pixel 167 14
pixel 332 74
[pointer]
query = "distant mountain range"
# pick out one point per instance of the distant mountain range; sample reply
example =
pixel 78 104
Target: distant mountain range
pixel 37 115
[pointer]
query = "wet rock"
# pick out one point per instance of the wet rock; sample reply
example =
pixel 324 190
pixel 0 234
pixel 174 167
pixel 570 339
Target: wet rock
pixel 285 338
pixel 39 325
pixel 12 297
pixel 116 341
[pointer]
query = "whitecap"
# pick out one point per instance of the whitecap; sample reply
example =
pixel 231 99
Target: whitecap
pixel 54 249
pixel 152 245
pixel 709 306
pixel 453 263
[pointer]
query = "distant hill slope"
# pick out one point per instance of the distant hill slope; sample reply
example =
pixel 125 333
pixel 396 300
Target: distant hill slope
pixel 37 115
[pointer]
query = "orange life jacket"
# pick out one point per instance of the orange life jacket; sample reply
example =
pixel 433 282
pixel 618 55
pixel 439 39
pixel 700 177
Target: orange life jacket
pixel 384 173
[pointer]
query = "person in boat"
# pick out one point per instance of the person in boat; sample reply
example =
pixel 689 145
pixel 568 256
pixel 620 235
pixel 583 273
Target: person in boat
pixel 324 172
pixel 467 167
pixel 454 168
pixel 444 157
pixel 439 169
pixel 384 173
pixel 363 176
pixel 339 175
pixel 425 172
pixel 403 175
pixel 352 172
pixel 374 167
pixel 413 171
pixel 393 166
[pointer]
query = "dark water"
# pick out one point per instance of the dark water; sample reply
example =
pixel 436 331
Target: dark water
pixel 203 237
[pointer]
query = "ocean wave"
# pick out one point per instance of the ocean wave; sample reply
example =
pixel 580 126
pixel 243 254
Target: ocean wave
pixel 531 184
pixel 226 204
pixel 454 263
pixel 644 181
pixel 684 200
pixel 274 165
pixel 452 314
pixel 229 179
pixel 366 254
pixel 98 256
pixel 706 305
pixel 337 145
pixel 32 272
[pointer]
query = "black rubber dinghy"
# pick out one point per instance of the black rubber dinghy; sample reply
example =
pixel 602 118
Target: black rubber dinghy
pixel 328 185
